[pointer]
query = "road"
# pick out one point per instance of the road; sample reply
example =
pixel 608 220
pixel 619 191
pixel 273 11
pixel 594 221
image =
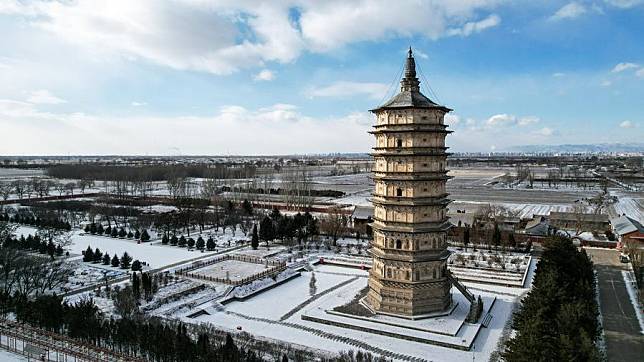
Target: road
pixel 624 340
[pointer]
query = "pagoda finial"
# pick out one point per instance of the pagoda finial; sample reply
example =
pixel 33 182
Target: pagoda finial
pixel 409 81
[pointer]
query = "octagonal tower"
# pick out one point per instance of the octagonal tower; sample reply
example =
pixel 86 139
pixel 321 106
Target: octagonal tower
pixel 409 276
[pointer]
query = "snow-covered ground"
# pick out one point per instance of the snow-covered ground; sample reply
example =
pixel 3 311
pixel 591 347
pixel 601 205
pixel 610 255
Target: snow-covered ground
pixel 7 356
pixel 631 287
pixel 263 315
pixel 155 255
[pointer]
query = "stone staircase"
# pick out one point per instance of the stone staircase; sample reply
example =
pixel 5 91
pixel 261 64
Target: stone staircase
pixel 476 304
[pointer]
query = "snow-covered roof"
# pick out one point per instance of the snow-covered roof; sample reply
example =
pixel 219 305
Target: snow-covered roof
pixel 362 212
pixel 574 216
pixel 625 225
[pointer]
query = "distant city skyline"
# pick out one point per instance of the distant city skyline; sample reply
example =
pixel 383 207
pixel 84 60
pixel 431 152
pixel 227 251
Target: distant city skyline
pixel 198 77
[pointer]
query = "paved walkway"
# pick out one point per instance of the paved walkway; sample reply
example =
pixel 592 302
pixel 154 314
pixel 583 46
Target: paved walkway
pixel 624 340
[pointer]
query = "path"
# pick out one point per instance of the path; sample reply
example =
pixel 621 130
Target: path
pixel 624 340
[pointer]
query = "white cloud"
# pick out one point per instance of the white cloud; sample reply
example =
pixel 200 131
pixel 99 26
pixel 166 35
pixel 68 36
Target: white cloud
pixel 524 121
pixel 472 27
pixel 558 75
pixel 331 24
pixel 606 83
pixel 624 4
pixel 264 75
pixel 569 11
pixel 545 131
pixel 43 96
pixel 624 66
pixel 627 124
pixel 452 120
pixel 419 53
pixel 226 36
pixel 344 89
pixel 278 129
pixel 503 120
pixel 640 73
pixel 138 104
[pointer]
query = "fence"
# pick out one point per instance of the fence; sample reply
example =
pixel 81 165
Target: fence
pixel 276 268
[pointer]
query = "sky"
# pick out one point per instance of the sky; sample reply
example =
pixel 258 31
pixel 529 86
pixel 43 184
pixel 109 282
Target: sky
pixel 197 77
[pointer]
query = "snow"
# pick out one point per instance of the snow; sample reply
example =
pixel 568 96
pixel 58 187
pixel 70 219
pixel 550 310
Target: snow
pixel 7 356
pixel 260 316
pixel 628 204
pixel 278 301
pixel 631 287
pixel 156 255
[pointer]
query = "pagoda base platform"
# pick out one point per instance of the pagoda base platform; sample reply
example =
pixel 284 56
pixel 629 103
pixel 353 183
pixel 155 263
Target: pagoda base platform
pixel 448 328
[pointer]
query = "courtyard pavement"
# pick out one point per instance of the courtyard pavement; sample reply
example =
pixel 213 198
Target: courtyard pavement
pixel 624 340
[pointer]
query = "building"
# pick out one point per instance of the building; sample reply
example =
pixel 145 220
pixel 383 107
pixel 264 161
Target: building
pixel 409 276
pixel 630 234
pixel 579 222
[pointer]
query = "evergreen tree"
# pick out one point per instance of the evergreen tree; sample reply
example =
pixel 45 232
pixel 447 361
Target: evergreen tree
pixel 466 236
pixel 92 228
pixel 51 249
pixel 87 228
pixel 114 233
pixel 266 230
pixel 174 240
pixel 130 235
pixel 126 259
pixel 88 255
pixel 106 259
pixel 200 243
pixel 59 250
pixel 191 243
pixel 254 241
pixel 136 285
pixel 210 245
pixel 99 229
pixel 136 265
pixel 115 261
pixel 122 233
pixel 165 240
pixel 247 207
pixel 496 235
pixel 137 234
pixel 108 230
pixel 145 236
pixel 98 256
pixel 182 241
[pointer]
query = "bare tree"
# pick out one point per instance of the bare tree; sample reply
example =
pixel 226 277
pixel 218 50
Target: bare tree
pixel 19 188
pixel 334 224
pixel 5 190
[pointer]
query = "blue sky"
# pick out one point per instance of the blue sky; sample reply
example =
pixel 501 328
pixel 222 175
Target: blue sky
pixel 295 76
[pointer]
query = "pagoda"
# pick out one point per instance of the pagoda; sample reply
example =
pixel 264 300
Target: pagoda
pixel 409 276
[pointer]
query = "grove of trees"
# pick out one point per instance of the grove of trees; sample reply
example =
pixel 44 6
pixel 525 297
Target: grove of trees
pixel 557 320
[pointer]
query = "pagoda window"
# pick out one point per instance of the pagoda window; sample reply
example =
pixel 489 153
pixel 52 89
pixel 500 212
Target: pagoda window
pixel 399 192
pixel 434 273
pixel 398 244
pixel 399 142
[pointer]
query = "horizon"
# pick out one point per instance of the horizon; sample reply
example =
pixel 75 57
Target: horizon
pixel 299 78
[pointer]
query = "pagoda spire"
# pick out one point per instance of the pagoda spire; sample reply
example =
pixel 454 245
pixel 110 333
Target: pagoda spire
pixel 410 82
